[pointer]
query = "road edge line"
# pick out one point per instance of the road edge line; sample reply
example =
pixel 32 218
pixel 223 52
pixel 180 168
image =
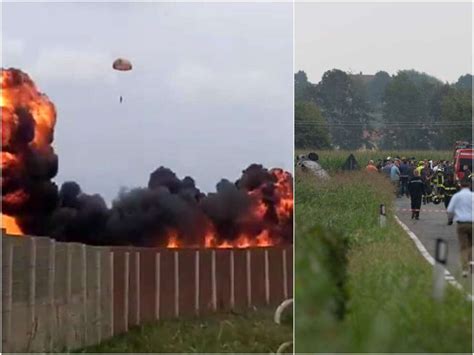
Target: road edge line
pixel 421 248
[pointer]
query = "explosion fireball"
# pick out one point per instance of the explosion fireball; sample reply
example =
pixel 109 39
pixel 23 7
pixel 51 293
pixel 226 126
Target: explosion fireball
pixel 28 159
pixel 256 210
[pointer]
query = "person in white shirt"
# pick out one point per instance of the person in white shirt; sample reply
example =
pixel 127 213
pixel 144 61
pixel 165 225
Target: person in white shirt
pixel 460 211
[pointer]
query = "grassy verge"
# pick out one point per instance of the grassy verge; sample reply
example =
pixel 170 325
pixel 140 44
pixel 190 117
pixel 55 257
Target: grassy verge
pixel 334 159
pixel 254 331
pixel 386 283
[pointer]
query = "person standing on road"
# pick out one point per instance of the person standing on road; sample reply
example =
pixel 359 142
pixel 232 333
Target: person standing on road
pixel 395 176
pixel 404 171
pixel 387 167
pixel 416 189
pixel 460 211
pixel 426 174
pixel 449 189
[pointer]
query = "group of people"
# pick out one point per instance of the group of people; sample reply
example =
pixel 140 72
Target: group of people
pixel 421 179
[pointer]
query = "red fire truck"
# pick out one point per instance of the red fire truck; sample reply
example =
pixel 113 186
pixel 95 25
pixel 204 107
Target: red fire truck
pixel 463 157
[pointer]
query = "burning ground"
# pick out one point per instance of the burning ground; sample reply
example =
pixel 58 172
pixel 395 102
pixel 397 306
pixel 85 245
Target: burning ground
pixel 256 210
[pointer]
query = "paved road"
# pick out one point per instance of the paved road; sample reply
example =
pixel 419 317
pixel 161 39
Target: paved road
pixel 433 225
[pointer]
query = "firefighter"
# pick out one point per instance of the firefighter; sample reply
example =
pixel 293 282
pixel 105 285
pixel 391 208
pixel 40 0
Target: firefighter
pixel 449 189
pixel 426 174
pixel 416 189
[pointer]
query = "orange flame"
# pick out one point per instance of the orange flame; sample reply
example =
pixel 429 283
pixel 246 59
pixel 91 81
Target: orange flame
pixel 10 225
pixel 21 92
pixel 266 238
pixel 284 189
pixel 173 241
pixel 243 241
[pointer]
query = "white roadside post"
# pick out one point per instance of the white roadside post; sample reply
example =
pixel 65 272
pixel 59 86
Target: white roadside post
pixel 441 254
pixel 382 216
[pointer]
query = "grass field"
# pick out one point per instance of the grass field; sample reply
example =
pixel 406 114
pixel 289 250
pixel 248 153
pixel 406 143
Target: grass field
pixel 385 283
pixel 254 331
pixel 332 160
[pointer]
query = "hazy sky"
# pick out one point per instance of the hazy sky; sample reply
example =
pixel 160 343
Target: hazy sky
pixel 434 38
pixel 210 93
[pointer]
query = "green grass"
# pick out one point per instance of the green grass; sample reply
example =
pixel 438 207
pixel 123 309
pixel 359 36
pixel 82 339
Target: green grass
pixel 388 284
pixel 253 331
pixel 333 159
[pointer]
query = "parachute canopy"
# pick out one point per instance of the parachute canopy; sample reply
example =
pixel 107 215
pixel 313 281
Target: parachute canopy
pixel 122 64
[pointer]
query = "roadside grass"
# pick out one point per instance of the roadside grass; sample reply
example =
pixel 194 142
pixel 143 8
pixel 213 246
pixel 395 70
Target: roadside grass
pixel 388 283
pixel 333 160
pixel 253 331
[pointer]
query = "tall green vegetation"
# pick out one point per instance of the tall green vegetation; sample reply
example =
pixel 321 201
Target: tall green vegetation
pixel 345 262
pixel 409 110
pixel 249 332
pixel 333 160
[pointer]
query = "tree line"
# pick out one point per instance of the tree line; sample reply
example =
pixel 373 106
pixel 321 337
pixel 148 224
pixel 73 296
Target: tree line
pixel 408 110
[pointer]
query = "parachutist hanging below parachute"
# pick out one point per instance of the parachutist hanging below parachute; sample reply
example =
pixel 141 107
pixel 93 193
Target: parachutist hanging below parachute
pixel 122 64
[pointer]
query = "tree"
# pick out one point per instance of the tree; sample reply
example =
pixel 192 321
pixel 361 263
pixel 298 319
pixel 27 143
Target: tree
pixel 435 116
pixel 464 82
pixel 310 127
pixel 420 79
pixel 376 88
pixel 403 107
pixel 304 90
pixel 345 107
pixel 457 107
pixel 411 110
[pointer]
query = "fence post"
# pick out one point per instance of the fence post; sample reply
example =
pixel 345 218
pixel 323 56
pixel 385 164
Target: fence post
pixel 51 277
pixel 98 293
pixel 84 292
pixel 126 286
pixel 232 280
pixel 68 317
pixel 112 296
pixel 157 286
pixel 32 291
pixel 285 276
pixel 214 280
pixel 267 278
pixel 7 306
pixel 137 286
pixel 176 284
pixel 196 282
pixel 249 278
pixel 382 216
pixel 441 254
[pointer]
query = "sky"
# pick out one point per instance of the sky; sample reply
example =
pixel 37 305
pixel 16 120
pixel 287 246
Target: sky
pixel 210 92
pixel 435 38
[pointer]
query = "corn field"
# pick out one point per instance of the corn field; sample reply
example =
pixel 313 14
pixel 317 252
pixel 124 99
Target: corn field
pixel 333 160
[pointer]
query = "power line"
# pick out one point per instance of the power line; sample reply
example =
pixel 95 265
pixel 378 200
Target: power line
pixel 421 125
pixel 398 122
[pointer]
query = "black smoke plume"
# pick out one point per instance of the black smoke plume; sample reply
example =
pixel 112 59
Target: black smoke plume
pixel 148 216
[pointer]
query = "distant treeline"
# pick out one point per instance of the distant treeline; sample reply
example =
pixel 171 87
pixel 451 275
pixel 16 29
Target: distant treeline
pixel 408 110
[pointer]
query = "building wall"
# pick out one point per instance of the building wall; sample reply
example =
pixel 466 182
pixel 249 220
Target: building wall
pixel 60 296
